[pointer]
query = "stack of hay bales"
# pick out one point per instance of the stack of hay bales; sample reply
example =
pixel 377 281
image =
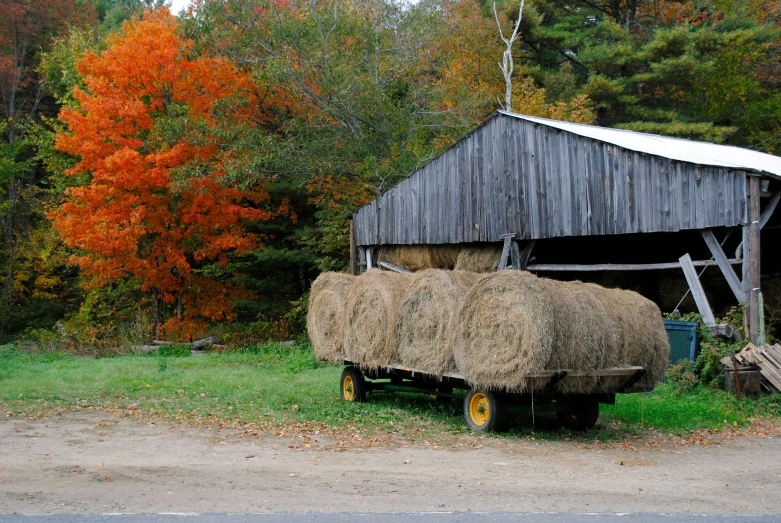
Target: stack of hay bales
pixel 479 258
pixel 420 257
pixel 494 329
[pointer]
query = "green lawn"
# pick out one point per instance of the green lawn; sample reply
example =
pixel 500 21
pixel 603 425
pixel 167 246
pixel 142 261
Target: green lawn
pixel 273 386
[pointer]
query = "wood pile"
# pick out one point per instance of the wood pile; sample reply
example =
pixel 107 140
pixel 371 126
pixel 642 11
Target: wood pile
pixel 196 347
pixel 766 358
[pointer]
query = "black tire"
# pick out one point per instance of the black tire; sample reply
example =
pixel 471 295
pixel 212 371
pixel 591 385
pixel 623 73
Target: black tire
pixel 485 411
pixel 579 416
pixel 352 385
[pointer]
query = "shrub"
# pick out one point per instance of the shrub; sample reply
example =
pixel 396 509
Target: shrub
pixel 680 376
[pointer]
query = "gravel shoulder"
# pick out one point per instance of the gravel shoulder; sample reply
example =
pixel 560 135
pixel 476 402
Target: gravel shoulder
pixel 93 462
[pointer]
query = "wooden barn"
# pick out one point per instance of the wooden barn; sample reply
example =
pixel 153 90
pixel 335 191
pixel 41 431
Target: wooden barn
pixel 667 217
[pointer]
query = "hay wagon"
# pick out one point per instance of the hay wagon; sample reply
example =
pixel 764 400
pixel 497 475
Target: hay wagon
pixel 488 410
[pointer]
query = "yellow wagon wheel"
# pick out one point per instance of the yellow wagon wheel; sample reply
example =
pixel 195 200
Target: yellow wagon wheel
pixel 485 411
pixel 352 385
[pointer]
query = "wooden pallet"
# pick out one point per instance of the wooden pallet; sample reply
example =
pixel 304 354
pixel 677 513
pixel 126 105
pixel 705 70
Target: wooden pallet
pixel 768 359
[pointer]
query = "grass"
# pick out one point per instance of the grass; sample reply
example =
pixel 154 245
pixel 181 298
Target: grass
pixel 272 387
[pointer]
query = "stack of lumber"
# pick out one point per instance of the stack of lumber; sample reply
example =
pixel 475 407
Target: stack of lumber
pixel 196 347
pixel 768 359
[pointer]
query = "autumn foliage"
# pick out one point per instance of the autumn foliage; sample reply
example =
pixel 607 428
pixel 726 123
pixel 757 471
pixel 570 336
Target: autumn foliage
pixel 157 205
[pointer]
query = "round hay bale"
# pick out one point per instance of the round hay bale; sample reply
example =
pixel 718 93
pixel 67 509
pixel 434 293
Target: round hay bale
pixel 325 319
pixel 583 339
pixel 426 319
pixel 479 259
pixel 639 336
pixel 420 257
pixel 371 318
pixel 504 330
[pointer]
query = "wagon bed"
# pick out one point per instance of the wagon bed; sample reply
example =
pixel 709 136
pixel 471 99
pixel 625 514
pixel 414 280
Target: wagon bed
pixel 486 409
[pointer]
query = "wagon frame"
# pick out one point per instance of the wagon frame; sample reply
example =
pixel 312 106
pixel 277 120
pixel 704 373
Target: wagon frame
pixel 487 409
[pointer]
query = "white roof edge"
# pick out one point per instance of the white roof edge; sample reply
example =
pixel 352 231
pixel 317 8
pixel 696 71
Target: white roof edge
pixel 701 153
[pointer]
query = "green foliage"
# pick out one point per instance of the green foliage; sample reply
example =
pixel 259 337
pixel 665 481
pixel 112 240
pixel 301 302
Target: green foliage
pixel 362 105
pixel 666 74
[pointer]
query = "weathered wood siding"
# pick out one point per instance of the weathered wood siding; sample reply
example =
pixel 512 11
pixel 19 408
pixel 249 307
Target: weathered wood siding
pixel 515 176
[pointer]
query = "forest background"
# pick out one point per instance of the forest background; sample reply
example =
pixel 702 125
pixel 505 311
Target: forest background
pixel 187 174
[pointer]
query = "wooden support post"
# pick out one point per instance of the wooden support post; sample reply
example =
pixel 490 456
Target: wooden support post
pixel 527 254
pixel 766 214
pixel 353 251
pixel 723 262
pixel 697 291
pixel 754 312
pixel 369 258
pixel 361 260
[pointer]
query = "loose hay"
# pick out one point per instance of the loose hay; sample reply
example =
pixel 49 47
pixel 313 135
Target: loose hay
pixel 426 319
pixel 420 257
pixel 371 318
pixel 513 324
pixel 325 320
pixel 479 259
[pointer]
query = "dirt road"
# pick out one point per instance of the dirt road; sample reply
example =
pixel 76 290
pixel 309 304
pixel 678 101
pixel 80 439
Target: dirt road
pixel 96 463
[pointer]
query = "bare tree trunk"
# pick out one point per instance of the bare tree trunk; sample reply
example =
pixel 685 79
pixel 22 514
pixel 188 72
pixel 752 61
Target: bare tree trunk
pixel 507 64
pixel 8 240
pixel 156 323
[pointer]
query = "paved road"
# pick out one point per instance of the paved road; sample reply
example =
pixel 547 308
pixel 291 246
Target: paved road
pixel 427 517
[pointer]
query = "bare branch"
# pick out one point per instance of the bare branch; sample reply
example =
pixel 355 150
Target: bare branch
pixel 507 64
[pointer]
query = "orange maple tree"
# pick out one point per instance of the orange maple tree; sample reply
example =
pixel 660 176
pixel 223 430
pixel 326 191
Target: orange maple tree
pixel 149 134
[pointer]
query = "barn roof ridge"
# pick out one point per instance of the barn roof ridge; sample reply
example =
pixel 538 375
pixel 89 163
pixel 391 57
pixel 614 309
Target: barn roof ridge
pixel 679 149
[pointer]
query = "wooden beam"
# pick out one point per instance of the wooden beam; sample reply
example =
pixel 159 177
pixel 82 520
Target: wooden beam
pixel 754 312
pixel 620 266
pixel 505 253
pixel 766 214
pixel 723 262
pixel 697 291
pixel 527 254
pixel 394 268
pixel 353 251
pixel 361 260
pixel 369 258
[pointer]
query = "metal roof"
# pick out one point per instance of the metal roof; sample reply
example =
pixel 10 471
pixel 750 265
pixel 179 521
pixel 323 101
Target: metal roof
pixel 702 153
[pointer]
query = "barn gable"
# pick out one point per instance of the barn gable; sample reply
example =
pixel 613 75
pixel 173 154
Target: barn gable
pixel 540 179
